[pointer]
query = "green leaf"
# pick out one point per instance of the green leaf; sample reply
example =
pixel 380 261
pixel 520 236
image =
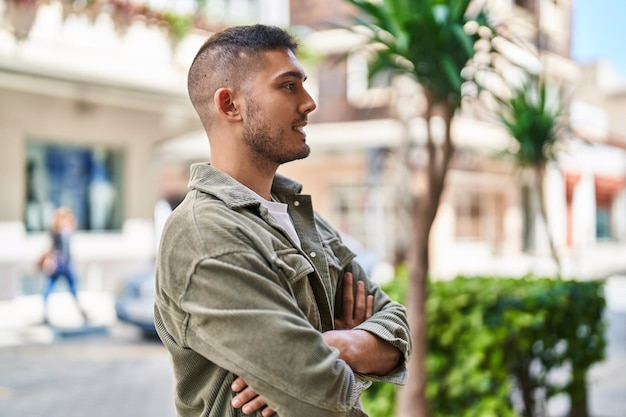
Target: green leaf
pixel 532 122
pixel 464 39
pixel 453 73
pixel 428 34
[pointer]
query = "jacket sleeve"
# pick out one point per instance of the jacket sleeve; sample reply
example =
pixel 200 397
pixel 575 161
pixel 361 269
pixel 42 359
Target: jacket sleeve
pixel 389 322
pixel 251 326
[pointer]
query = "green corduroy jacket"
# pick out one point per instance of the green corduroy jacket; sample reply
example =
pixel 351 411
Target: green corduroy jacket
pixel 236 297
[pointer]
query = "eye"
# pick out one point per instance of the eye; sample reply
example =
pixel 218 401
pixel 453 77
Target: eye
pixel 290 86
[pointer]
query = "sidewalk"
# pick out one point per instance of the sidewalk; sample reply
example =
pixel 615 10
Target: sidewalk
pixel 21 323
pixel 21 319
pixel 607 380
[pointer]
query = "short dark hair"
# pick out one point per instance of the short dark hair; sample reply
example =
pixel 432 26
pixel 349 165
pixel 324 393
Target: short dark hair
pixel 234 40
pixel 227 57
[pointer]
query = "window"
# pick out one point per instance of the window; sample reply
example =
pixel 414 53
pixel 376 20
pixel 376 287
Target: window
pixel 363 90
pixel 86 179
pixel 603 223
pixel 468 215
pixel 607 188
pixel 366 215
pixel 350 210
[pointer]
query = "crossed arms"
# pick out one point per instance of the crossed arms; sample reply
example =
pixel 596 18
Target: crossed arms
pixel 360 349
pixel 275 335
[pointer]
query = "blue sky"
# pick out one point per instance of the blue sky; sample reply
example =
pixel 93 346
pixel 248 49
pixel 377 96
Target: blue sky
pixel 599 32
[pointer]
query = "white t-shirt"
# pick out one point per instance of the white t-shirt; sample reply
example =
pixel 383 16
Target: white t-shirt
pixel 279 212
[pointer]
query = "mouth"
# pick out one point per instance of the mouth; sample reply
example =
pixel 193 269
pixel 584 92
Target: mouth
pixel 300 128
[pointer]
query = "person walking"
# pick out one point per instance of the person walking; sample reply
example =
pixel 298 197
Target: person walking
pixel 261 306
pixel 59 262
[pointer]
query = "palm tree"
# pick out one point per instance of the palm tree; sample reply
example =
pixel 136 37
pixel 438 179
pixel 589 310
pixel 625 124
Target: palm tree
pixel 427 40
pixel 533 116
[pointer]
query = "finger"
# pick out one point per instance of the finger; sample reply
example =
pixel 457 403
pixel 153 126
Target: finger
pixel 238 384
pixel 253 405
pixel 348 297
pixel 370 307
pixel 243 397
pixel 268 411
pixel 360 305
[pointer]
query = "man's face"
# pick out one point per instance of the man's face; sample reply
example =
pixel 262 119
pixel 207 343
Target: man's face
pixel 276 110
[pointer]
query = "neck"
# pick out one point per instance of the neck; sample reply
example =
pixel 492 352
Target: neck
pixel 232 156
pixel 257 178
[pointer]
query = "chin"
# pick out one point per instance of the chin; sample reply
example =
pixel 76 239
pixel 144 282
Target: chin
pixel 306 152
pixel 300 155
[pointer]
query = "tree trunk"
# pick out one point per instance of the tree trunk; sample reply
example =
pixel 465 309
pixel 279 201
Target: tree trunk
pixel 540 173
pixel 412 397
pixel 526 386
pixel 579 406
pixel 412 400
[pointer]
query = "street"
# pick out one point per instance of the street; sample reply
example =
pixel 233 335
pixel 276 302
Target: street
pixel 117 374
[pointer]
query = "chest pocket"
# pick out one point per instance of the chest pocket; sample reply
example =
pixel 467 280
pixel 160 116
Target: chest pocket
pixel 337 254
pixel 339 257
pixel 294 269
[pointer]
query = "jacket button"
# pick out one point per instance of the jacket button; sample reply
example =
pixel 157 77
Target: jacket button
pixel 313 254
pixel 296 203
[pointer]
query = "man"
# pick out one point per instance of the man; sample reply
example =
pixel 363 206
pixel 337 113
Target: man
pixel 258 301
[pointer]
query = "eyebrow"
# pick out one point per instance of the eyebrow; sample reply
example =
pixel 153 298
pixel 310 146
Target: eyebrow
pixel 294 74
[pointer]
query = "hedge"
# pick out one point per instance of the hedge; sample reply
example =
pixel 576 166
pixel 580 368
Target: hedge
pixel 495 344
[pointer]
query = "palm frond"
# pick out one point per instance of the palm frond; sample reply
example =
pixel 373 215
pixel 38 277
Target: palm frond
pixel 427 33
pixel 533 120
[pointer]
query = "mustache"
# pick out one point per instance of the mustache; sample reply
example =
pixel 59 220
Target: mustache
pixel 302 120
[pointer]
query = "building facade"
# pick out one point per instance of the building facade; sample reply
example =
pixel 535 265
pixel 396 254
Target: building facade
pixel 94 115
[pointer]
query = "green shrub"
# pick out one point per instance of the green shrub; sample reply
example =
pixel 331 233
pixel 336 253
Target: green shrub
pixel 490 336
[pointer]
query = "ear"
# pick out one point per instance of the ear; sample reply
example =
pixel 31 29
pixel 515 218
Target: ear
pixel 224 99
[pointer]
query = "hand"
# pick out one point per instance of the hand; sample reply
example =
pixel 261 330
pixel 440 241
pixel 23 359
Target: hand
pixel 361 350
pixel 248 400
pixel 354 312
pixel 364 352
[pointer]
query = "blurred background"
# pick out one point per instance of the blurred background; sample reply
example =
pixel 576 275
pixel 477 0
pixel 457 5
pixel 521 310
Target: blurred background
pixel 94 115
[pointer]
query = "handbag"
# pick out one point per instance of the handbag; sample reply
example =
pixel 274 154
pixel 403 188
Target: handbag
pixel 47 262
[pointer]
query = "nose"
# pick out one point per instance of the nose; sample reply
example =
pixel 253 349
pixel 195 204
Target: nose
pixel 308 105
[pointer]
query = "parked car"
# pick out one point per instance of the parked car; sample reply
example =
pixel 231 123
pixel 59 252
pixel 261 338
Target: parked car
pixel 135 303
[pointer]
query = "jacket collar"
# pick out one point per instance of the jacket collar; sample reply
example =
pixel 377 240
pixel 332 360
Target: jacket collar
pixel 205 178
